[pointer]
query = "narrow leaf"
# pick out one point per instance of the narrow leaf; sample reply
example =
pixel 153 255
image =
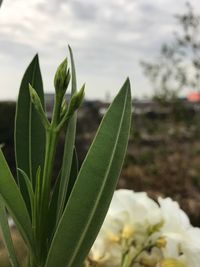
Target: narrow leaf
pixel 14 202
pixel 36 204
pixel 53 209
pixel 73 71
pixel 29 132
pixel 73 174
pixel 7 239
pixel 94 187
pixel 28 187
pixel 54 199
pixel 68 149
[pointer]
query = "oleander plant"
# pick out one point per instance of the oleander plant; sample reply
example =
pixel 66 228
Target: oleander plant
pixel 60 218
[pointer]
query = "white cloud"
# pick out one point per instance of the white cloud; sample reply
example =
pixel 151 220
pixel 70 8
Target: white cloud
pixel 108 37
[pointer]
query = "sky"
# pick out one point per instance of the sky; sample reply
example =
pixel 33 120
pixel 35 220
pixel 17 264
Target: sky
pixel 109 38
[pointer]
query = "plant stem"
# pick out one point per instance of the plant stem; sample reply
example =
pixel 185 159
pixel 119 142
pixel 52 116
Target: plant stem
pixel 126 261
pixel 50 150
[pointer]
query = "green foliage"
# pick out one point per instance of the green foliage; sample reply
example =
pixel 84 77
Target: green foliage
pixel 29 131
pixel 82 217
pixel 6 122
pixel 68 149
pixel 14 202
pixel 60 226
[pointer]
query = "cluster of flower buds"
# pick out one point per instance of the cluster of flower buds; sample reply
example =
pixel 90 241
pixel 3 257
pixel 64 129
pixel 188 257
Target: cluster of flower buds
pixel 61 82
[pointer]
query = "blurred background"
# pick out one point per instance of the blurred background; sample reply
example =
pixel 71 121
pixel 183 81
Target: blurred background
pixel 155 43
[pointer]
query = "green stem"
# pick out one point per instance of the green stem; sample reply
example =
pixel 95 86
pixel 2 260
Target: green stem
pixel 31 261
pixel 142 249
pixel 126 261
pixel 51 142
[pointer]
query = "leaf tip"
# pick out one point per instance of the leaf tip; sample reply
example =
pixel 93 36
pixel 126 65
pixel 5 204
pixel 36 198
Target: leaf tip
pixel 69 47
pixel 36 57
pixel 127 82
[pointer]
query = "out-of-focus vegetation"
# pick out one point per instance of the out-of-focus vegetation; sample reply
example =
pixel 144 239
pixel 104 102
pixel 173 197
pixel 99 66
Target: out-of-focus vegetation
pixel 19 247
pixel 177 66
pixel 165 154
pixel 163 158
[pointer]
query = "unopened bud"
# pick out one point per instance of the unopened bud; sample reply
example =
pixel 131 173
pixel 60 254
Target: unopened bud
pixel 35 98
pixel 155 228
pixel 76 100
pixel 161 242
pixel 74 104
pixel 38 106
pixel 62 78
pixel 63 108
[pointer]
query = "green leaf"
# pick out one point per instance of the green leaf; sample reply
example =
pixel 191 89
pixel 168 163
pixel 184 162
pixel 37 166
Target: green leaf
pixel 94 187
pixel 68 149
pixel 36 204
pixel 54 199
pixel 14 202
pixel 73 71
pixel 7 239
pixel 73 174
pixel 29 132
pixel 29 188
pixel 53 209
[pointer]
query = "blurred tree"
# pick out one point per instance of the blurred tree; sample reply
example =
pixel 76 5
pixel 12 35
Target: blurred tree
pixel 178 63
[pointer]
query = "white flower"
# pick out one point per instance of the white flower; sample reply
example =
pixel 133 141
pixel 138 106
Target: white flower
pixel 151 234
pixel 129 217
pixel 138 207
pixel 183 240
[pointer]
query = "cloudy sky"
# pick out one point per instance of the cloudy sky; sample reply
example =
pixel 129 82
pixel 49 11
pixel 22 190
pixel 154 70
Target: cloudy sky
pixel 108 37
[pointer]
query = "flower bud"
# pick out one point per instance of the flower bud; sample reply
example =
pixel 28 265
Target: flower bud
pixel 74 104
pixel 76 100
pixel 161 242
pixel 63 108
pixel 62 78
pixel 35 98
pixel 38 106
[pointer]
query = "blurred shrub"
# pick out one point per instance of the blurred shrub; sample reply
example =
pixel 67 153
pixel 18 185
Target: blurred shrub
pixel 7 114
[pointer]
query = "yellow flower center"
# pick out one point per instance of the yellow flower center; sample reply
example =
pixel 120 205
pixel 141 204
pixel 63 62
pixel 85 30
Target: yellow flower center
pixel 171 263
pixel 127 232
pixel 113 238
